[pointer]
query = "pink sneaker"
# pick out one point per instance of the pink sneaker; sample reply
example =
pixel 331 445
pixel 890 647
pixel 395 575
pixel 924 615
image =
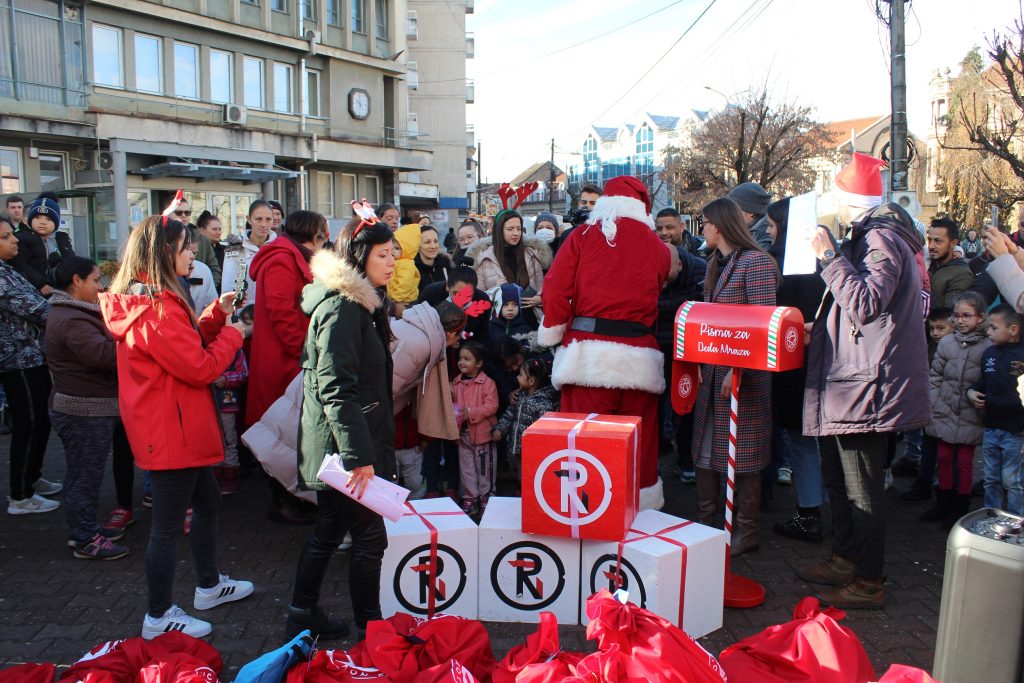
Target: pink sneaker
pixel 188 522
pixel 120 518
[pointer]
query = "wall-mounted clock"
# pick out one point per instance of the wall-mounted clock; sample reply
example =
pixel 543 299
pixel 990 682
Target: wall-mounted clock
pixel 359 103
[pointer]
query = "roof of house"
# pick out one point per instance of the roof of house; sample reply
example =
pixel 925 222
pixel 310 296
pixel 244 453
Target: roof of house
pixel 606 134
pixel 840 130
pixel 664 122
pixel 538 171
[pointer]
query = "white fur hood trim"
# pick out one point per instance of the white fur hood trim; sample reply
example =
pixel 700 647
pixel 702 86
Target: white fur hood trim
pixel 332 270
pixel 608 209
pixel 599 363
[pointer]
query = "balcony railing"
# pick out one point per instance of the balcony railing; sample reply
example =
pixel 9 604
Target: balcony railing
pixel 470 46
pixel 469 6
pixel 470 91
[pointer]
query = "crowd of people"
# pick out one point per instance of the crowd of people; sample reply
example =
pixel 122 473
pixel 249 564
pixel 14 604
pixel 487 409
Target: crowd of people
pixel 424 358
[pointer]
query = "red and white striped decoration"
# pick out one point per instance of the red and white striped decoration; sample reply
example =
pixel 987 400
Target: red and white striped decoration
pixel 730 484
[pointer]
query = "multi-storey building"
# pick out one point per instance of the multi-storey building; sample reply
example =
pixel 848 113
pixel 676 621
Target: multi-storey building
pixel 438 94
pixel 116 103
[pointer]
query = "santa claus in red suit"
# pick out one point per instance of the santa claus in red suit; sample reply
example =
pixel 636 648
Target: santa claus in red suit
pixel 600 306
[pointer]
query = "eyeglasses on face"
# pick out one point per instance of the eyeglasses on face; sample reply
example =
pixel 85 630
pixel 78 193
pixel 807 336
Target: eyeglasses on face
pixel 964 316
pixel 183 212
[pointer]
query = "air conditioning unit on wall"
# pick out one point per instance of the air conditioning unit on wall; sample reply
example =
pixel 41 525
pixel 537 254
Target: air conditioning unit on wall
pixel 235 114
pixel 102 160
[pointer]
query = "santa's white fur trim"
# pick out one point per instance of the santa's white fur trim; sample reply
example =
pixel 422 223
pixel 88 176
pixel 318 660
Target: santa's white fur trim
pixel 550 336
pixel 605 364
pixel 652 497
pixel 858 201
pixel 608 209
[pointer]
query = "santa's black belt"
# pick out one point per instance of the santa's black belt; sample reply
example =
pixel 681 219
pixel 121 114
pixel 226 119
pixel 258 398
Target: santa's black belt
pixel 610 328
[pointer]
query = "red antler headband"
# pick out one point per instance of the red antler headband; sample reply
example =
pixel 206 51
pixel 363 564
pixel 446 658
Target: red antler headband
pixel 365 211
pixel 464 300
pixel 507 192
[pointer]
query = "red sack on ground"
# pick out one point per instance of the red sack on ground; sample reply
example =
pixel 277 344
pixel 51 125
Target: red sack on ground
pixel 540 659
pixel 29 673
pixel 334 666
pixel 901 673
pixel 649 648
pixel 402 646
pixel 448 672
pixel 169 658
pixel 813 648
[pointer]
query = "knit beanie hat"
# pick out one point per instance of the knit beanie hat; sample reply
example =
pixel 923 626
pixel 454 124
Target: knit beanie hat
pixel 44 207
pixel 551 218
pixel 504 294
pixel 751 197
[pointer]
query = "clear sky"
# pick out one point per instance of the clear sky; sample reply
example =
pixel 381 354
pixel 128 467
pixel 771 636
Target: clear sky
pixel 830 54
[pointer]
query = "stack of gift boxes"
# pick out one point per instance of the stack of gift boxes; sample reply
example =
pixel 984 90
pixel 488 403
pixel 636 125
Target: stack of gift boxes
pixel 575 530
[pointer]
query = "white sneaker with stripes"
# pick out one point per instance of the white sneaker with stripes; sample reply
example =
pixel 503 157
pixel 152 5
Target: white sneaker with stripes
pixel 228 590
pixel 175 619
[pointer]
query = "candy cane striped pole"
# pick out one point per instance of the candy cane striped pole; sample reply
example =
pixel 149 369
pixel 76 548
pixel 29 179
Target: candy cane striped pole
pixel 731 478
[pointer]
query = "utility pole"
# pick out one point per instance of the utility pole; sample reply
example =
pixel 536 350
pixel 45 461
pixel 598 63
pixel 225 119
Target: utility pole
pixel 479 165
pixel 898 149
pixel 551 180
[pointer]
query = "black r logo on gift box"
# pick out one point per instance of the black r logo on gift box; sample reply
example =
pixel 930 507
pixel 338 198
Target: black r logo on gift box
pixel 527 575
pixel 604 575
pixel 447 583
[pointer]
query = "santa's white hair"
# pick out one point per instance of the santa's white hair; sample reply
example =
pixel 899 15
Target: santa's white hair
pixel 610 208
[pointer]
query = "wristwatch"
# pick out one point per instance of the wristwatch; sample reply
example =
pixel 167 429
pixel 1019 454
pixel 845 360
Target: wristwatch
pixel 828 256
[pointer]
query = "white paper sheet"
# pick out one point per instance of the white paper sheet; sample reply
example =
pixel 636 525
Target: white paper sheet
pixel 382 496
pixel 803 222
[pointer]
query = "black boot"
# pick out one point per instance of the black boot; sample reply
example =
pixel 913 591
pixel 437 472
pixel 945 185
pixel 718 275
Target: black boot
pixel 806 526
pixel 317 621
pixel 943 506
pixel 961 506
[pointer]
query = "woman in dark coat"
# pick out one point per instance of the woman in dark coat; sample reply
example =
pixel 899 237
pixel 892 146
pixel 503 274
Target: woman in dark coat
pixel 739 272
pixel 432 264
pixel 346 409
pixel 803 292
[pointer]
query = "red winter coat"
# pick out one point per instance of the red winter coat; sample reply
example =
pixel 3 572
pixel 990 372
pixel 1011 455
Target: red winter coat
pixel 279 326
pixel 164 375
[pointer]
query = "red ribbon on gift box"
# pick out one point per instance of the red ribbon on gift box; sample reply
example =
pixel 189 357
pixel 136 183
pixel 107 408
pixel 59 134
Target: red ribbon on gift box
pixel 658 535
pixel 431 566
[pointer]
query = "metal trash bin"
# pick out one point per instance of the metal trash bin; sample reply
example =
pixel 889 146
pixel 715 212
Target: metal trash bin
pixel 981 619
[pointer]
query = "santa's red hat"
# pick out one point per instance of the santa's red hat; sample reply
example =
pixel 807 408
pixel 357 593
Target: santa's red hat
pixel 624 197
pixel 859 183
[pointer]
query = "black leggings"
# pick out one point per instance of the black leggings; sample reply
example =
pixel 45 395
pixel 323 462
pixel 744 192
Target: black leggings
pixel 337 515
pixel 28 392
pixel 124 467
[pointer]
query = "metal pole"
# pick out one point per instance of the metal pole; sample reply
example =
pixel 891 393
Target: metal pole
pixel 551 180
pixel 479 165
pixel 898 131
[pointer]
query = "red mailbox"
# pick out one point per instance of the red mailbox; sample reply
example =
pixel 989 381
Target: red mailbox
pixel 740 336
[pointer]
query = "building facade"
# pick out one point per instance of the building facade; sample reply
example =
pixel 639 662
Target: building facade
pixel 114 104
pixel 438 47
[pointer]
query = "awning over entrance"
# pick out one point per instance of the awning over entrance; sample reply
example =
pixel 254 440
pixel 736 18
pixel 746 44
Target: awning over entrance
pixel 243 174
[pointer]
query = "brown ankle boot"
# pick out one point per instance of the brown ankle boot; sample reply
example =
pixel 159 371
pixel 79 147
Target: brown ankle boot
pixel 835 571
pixel 707 496
pixel 746 532
pixel 858 594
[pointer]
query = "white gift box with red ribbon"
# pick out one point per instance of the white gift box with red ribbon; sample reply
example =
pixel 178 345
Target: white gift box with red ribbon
pixel 522 575
pixel 668 565
pixel 430 566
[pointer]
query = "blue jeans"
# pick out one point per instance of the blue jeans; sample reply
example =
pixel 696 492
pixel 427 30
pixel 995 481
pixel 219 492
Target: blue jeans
pixel 1003 471
pixel 912 443
pixel 806 464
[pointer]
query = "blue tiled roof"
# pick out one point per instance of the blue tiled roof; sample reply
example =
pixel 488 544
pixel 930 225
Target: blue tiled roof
pixel 665 122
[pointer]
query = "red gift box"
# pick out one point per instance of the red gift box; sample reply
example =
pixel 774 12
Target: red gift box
pixel 580 475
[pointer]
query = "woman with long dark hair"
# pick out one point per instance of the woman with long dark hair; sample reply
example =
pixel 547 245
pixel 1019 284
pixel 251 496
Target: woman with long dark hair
pixel 258 231
pixel 166 361
pixel 26 382
pixel 509 257
pixel 346 409
pixel 82 356
pixel 209 224
pixel 739 272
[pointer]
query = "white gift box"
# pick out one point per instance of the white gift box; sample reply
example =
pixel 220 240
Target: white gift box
pixel 430 564
pixel 670 566
pixel 522 575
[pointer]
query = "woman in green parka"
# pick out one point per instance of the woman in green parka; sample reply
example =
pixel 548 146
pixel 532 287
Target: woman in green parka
pixel 346 409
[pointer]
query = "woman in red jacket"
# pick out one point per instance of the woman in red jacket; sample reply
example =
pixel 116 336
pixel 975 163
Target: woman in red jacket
pixel 280 270
pixel 166 360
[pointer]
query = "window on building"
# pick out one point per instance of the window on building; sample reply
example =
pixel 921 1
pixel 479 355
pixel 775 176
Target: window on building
pixel 311 96
pixel 107 56
pixel 283 88
pixel 349 188
pixel 333 12
pixel 307 9
pixel 590 161
pixel 149 68
pixel 252 82
pixel 325 193
pixel 358 12
pixel 10 170
pixel 279 5
pixel 645 149
pixel 250 2
pixel 371 189
pixel 42 70
pixel 222 77
pixel 186 70
pixel 52 172
pixel 381 9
